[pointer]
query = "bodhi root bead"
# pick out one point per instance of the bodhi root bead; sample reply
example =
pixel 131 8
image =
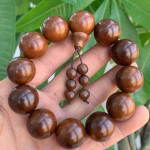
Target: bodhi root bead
pixel 70 95
pixel 23 99
pixel 71 73
pixel 71 84
pixel 70 133
pixel 84 80
pixel 120 106
pixel 21 70
pixel 55 28
pixel 82 69
pixel 124 52
pixel 99 126
pixel 33 45
pixel 129 79
pixel 107 31
pixel 84 94
pixel 41 123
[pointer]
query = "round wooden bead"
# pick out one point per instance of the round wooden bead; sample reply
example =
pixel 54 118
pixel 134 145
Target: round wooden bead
pixel 70 133
pixel 33 45
pixel 21 70
pixel 82 69
pixel 106 32
pixel 55 28
pixel 84 80
pixel 23 99
pixel 84 94
pixel 99 126
pixel 71 84
pixel 41 123
pixel 129 79
pixel 70 95
pixel 82 21
pixel 120 106
pixel 71 73
pixel 124 52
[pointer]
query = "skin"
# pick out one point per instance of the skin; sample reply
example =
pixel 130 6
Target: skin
pixel 13 126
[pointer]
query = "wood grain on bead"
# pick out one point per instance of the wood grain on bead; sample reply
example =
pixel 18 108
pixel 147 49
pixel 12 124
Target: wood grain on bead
pixel 124 52
pixel 71 84
pixel 71 73
pixel 84 94
pixel 55 28
pixel 84 80
pixel 41 123
pixel 70 95
pixel 100 126
pixel 107 31
pixel 82 69
pixel 21 70
pixel 70 133
pixel 23 99
pixel 82 21
pixel 33 45
pixel 129 79
pixel 120 106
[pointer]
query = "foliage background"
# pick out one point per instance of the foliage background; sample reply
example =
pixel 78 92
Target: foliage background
pixel 133 16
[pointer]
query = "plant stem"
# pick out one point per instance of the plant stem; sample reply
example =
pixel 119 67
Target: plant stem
pixel 132 142
pixel 124 144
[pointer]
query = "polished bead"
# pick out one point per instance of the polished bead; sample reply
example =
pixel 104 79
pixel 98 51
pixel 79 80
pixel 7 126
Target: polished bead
pixel 120 106
pixel 106 32
pixel 23 99
pixel 124 52
pixel 100 126
pixel 84 80
pixel 129 79
pixel 70 95
pixel 55 28
pixel 21 70
pixel 41 123
pixel 71 73
pixel 82 21
pixel 70 133
pixel 71 84
pixel 82 69
pixel 33 45
pixel 84 94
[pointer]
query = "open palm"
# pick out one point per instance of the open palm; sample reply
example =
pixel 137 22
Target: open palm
pixel 13 132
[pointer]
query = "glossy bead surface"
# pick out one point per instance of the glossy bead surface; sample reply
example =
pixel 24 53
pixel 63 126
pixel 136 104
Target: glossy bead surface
pixel 23 99
pixel 82 69
pixel 33 45
pixel 55 28
pixel 106 32
pixel 120 106
pixel 84 94
pixel 70 133
pixel 70 95
pixel 100 126
pixel 71 73
pixel 82 21
pixel 21 70
pixel 41 123
pixel 84 80
pixel 129 79
pixel 71 84
pixel 124 52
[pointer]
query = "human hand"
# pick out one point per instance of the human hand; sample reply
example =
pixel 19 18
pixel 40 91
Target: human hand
pixel 13 132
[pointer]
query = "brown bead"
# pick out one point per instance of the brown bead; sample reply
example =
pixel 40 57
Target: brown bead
pixel 106 32
pixel 55 28
pixel 120 106
pixel 70 95
pixel 124 52
pixel 41 123
pixel 23 99
pixel 84 80
pixel 82 21
pixel 84 94
pixel 82 69
pixel 100 126
pixel 129 79
pixel 33 45
pixel 71 73
pixel 70 133
pixel 71 84
pixel 21 70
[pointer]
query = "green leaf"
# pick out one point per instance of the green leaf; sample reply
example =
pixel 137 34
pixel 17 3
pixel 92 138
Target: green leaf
pixel 35 1
pixel 71 1
pixel 111 148
pixel 144 37
pixel 128 31
pixel 35 17
pixel 139 11
pixel 42 85
pixel 143 95
pixel 7 34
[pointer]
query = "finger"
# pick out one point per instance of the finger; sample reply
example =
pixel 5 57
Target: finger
pixel 95 58
pixel 100 90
